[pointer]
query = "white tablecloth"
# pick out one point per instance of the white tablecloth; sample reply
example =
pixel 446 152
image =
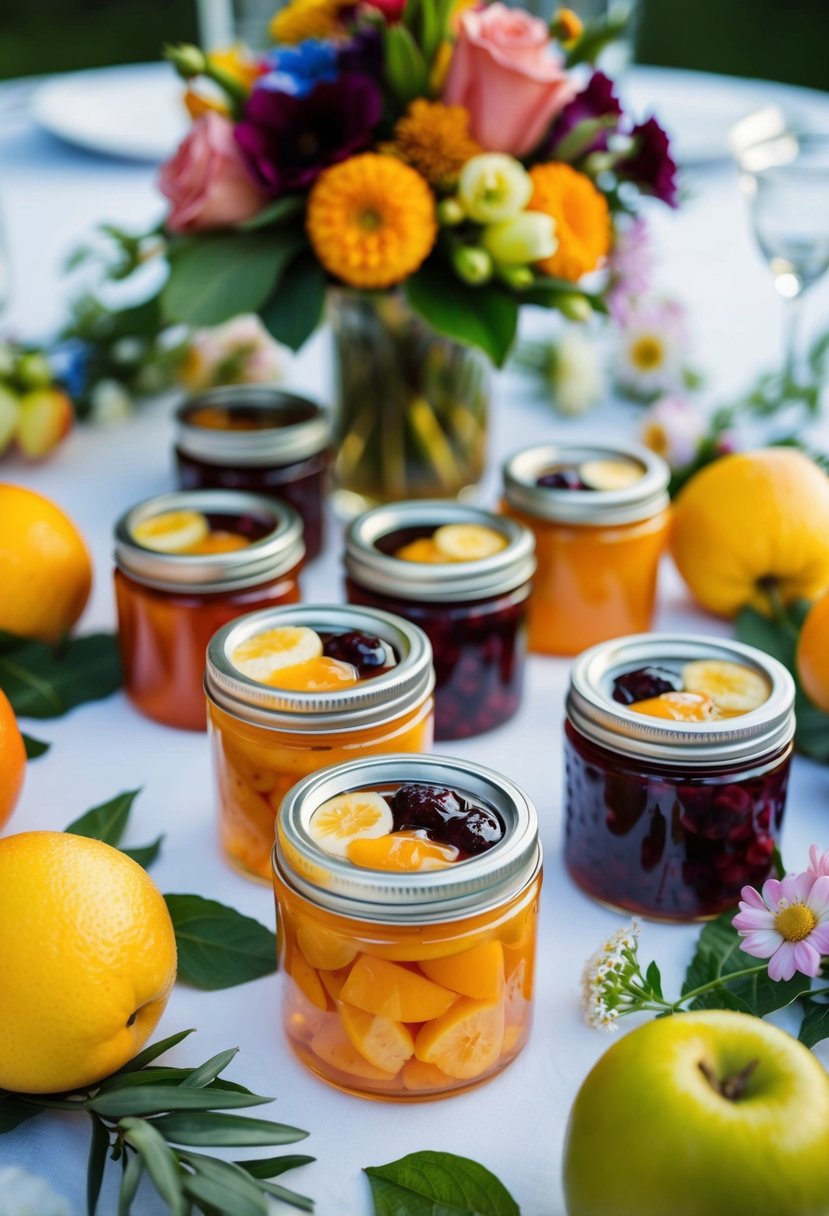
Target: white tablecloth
pixel 51 195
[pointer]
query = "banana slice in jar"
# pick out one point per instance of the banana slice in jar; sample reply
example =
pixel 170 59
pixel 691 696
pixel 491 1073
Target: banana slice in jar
pixel 361 815
pixel 172 531
pixel 609 474
pixel 267 652
pixel 734 688
pixel 468 542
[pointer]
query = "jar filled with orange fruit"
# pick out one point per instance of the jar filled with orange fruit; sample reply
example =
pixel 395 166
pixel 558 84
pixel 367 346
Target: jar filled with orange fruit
pixel 186 564
pixel 407 892
pixel 677 755
pixel 291 690
pixel 600 517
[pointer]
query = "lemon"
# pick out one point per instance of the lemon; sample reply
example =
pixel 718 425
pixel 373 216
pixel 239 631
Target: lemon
pixel 356 816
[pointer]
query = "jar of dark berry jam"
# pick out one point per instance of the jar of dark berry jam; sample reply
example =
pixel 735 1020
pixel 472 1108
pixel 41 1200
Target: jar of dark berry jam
pixel 265 737
pixel 250 437
pixel 398 983
pixel 670 818
pixel 170 602
pixel 599 514
pixel 473 609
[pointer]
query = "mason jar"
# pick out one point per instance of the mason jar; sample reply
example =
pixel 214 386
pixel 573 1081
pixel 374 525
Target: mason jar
pixel 411 985
pixel 252 437
pixel 598 550
pixel 474 612
pixel 670 819
pixel 170 604
pixel 265 738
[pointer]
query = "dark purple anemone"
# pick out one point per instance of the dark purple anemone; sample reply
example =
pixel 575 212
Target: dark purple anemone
pixel 649 163
pixel 596 100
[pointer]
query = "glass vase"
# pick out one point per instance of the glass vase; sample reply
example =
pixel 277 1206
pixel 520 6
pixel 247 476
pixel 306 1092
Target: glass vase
pixel 411 405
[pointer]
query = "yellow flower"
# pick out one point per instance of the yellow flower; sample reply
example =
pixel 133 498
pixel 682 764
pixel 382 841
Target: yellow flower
pixel 237 62
pixel 566 25
pixel 582 219
pixel 303 19
pixel 371 220
pixel 435 140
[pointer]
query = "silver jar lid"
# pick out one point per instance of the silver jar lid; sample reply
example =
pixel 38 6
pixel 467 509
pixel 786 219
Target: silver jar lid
pixel 369 703
pixel 391 897
pixel 713 744
pixel 276 553
pixel 305 432
pixel 510 567
pixel 641 500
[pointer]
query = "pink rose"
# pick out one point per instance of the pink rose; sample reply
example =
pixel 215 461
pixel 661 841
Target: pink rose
pixel 505 75
pixel 206 181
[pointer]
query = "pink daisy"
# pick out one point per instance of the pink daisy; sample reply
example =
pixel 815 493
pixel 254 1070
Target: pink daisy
pixel 788 923
pixel 818 861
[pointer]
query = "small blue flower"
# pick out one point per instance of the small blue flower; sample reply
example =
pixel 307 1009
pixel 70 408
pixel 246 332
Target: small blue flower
pixel 297 70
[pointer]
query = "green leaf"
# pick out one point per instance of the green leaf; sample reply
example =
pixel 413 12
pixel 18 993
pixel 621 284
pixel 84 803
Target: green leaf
pixel 133 1169
pixel 272 1167
pixel 485 317
pixel 108 821
pixel 159 1162
pixel 152 1099
pixel 98 1149
pixel 766 634
pixel 654 978
pixel 815 1026
pixel 35 747
pixel 293 311
pixel 158 1075
pixel 206 1073
pixel 146 854
pixel 282 1192
pixel 217 278
pixel 718 954
pixel 217 946
pixel 224 1185
pixel 228 1130
pixel 155 1050
pixel 276 214
pixel 406 70
pixel 438 1184
pixel 44 682
pixel 812 729
pixel 13 1112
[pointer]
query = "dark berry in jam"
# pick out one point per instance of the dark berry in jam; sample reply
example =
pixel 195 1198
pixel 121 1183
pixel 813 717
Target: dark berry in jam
pixel 475 832
pixel 643 683
pixel 561 479
pixel 446 816
pixel 366 653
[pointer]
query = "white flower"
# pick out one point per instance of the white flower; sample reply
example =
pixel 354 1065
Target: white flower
pixel 110 402
pixel 494 187
pixel 526 237
pixel 603 979
pixel 576 375
pixel 674 429
pixel 241 351
pixel 25 1194
pixel 652 348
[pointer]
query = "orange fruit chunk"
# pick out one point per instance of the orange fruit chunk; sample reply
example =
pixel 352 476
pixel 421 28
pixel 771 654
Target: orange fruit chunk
pixel 323 949
pixel 308 982
pixel 317 675
pixel 392 991
pixel 813 654
pixel 401 851
pixel 478 972
pixel 464 1042
pixel 12 759
pixel 384 1043
pixel 219 542
pixel 333 982
pixel 417 1076
pixel 333 1046
pixel 423 549
pixel 678 706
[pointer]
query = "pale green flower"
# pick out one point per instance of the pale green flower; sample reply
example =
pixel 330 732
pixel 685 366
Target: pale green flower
pixel 525 238
pixel 493 187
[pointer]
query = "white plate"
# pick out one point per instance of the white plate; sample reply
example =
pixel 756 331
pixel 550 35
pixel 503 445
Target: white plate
pixel 135 112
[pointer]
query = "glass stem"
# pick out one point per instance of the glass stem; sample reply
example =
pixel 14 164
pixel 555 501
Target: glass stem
pixel 791 338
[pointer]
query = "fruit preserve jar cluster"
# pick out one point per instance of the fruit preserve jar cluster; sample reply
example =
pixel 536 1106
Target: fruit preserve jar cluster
pixel 407 893
pixel 677 757
pixel 463 575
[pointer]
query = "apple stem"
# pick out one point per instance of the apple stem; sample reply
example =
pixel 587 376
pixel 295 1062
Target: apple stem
pixel 733 1088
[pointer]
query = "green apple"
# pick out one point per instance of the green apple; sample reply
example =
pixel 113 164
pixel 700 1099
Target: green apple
pixel 9 416
pixel 46 418
pixel 701 1114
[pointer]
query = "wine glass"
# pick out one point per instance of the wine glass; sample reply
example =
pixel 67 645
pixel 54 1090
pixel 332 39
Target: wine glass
pixel 785 180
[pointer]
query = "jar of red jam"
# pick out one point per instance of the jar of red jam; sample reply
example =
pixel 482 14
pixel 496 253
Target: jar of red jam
pixel 471 600
pixel 599 514
pixel 403 982
pixel 255 438
pixel 186 563
pixel 269 728
pixel 677 754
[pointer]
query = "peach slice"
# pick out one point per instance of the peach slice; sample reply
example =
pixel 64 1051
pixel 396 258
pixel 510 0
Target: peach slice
pixel 172 531
pixel 316 675
pixel 308 982
pixel 465 1041
pixel 333 1046
pixel 478 972
pixel 406 851
pixel 391 991
pixel 261 656
pixel 220 542
pixel 384 1043
pixel 422 550
pixel 417 1076
pixel 678 706
pixel 333 982
pixel 323 949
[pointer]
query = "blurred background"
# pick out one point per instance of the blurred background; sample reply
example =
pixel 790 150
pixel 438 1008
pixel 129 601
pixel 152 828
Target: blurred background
pixel 761 38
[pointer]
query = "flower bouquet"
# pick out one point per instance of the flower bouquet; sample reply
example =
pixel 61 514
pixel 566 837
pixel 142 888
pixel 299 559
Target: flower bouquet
pixel 427 166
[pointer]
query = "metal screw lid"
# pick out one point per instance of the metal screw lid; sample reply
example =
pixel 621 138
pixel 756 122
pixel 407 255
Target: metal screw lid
pixel 367 564
pixel 259 562
pixel 718 743
pixel 423 897
pixel 305 431
pixel 642 500
pixel 372 702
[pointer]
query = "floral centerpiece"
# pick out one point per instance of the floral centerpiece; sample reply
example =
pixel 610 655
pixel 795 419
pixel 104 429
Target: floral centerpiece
pixel 427 167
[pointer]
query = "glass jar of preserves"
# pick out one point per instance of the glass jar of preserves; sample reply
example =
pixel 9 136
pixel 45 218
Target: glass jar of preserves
pixel 405 983
pixel 266 737
pixel 600 515
pixel 226 554
pixel 677 753
pixel 260 439
pixel 471 604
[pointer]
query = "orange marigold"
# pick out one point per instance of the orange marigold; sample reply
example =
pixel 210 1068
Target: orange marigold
pixel 582 219
pixel 303 19
pixel 371 220
pixel 434 139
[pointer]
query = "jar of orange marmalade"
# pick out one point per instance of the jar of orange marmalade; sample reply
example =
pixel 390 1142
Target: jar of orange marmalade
pixel 186 563
pixel 407 892
pixel 294 689
pixel 600 517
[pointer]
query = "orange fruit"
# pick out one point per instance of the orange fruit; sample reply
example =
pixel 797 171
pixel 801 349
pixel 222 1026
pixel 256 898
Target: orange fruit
pixel 333 982
pixel 401 851
pixel 317 675
pixel 12 759
pixel 392 991
pixel 87 956
pixel 478 972
pixel 172 531
pixel 307 981
pixel 749 522
pixel 332 1045
pixel 384 1043
pixel 464 1042
pixel 418 1076
pixel 678 706
pixel 45 567
pixel 219 542
pixel 813 654
pixel 341 820
pixel 323 949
